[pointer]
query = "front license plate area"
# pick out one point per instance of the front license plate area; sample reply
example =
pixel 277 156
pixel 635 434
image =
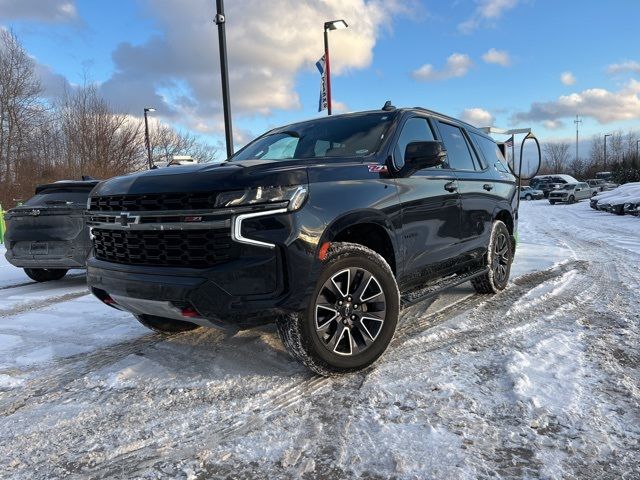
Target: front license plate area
pixel 39 248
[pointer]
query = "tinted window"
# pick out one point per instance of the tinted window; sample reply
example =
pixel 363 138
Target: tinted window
pixel 414 130
pixel 491 152
pixel 352 135
pixel 59 196
pixel 458 151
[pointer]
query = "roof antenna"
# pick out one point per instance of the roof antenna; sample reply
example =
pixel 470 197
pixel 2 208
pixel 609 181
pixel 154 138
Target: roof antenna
pixel 388 107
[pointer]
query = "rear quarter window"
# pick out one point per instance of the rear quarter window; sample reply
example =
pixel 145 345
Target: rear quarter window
pixel 491 152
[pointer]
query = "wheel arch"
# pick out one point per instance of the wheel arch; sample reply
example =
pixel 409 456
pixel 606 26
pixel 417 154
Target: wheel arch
pixel 368 228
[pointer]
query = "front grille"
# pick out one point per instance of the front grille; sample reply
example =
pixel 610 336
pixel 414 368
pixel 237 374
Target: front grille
pixel 179 248
pixel 154 202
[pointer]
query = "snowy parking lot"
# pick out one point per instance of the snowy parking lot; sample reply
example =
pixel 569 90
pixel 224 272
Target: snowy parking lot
pixel 541 380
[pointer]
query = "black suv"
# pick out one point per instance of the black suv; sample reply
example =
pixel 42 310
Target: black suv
pixel 47 235
pixel 327 227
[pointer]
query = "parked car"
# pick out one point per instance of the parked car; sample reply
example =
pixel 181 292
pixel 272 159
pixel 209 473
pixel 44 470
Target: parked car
pixel 606 200
pixel 570 193
pixel 47 235
pixel 528 193
pixel 326 227
pixel 547 183
pixel 632 207
pixel 597 184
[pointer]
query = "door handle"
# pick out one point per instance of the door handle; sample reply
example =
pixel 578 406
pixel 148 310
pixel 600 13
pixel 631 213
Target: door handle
pixel 451 187
pixel 488 187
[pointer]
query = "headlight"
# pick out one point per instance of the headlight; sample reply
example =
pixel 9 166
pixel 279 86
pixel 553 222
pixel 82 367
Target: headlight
pixel 295 195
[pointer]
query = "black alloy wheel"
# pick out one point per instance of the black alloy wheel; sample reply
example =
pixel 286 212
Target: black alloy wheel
pixel 501 258
pixel 350 311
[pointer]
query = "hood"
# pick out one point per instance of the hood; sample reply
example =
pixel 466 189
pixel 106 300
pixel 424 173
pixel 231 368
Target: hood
pixel 208 177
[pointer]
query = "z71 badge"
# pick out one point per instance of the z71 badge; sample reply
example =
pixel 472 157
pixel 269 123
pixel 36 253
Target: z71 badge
pixel 377 168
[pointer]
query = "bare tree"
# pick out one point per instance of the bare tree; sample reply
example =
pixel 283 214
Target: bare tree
pixel 19 104
pixel 167 142
pixel 556 156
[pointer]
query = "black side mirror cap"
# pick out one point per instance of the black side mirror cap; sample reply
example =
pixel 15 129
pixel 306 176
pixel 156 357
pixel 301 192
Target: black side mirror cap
pixel 419 155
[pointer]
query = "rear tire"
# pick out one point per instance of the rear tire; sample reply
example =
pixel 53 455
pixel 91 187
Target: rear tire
pixel 499 259
pixel 352 315
pixel 165 326
pixel 45 274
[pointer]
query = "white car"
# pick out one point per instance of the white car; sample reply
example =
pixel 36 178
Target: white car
pixel 618 197
pixel 570 193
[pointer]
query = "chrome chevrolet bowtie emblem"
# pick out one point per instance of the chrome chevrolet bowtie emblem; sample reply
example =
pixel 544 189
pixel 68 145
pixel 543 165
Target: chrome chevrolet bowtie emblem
pixel 126 219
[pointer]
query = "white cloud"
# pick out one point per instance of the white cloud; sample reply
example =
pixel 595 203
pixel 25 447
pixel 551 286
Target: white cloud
pixel 628 66
pixel 44 10
pixel 486 11
pixel 269 44
pixel 553 124
pixel 498 57
pixel 458 65
pixel 603 105
pixel 567 78
pixel 477 117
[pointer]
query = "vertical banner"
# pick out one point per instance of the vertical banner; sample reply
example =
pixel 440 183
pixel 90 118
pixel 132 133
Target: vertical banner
pixel 320 65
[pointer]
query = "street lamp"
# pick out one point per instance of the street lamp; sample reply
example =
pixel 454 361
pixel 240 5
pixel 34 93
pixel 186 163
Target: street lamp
pixel 332 25
pixel 147 110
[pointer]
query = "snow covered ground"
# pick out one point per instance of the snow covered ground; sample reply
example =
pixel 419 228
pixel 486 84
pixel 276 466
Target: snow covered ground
pixel 540 381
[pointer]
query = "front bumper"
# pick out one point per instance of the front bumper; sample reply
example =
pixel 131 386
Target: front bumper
pixel 248 290
pixel 52 254
pixel 555 198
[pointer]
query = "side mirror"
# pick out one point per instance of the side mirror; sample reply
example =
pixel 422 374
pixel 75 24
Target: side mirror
pixel 419 155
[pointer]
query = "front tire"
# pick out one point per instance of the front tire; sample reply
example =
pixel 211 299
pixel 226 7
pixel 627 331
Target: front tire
pixel 528 197
pixel 499 259
pixel 45 274
pixel 552 202
pixel 165 326
pixel 572 199
pixel 352 315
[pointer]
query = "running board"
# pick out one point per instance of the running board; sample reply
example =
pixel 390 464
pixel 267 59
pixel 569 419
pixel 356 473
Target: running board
pixel 416 296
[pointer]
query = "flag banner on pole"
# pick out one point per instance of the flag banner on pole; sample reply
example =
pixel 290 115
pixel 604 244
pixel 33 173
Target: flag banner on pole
pixel 320 65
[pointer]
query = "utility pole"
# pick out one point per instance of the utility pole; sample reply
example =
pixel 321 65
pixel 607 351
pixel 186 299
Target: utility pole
pixel 577 121
pixel 224 73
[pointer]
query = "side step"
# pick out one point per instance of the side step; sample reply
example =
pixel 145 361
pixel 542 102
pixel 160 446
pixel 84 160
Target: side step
pixel 416 296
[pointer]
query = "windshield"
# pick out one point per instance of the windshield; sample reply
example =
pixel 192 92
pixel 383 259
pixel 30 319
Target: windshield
pixel 569 187
pixel 59 197
pixel 348 136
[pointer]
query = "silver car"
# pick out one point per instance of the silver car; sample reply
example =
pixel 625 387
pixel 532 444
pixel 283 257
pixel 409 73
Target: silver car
pixel 571 193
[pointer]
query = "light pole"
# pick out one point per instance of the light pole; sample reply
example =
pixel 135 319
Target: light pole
pixel 577 121
pixel 146 134
pixel 332 25
pixel 638 149
pixel 605 149
pixel 224 73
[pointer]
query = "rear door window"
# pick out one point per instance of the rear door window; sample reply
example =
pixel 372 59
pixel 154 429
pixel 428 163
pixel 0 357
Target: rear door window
pixel 459 152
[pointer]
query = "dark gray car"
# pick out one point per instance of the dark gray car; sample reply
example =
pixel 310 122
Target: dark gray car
pixel 48 235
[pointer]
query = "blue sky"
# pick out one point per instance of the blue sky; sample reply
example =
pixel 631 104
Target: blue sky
pixel 164 52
